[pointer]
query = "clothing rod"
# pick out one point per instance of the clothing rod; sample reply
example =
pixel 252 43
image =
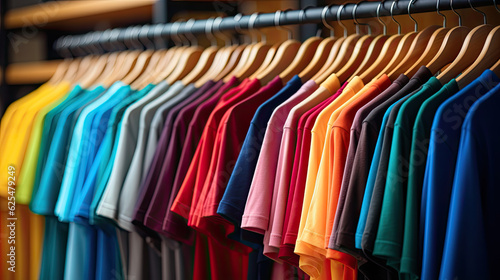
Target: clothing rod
pixel 309 15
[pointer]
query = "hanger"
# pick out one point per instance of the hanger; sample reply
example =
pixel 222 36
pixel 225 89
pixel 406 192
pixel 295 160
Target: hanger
pixel 141 62
pixel 97 68
pixel 359 51
pixel 65 65
pixel 452 43
pixel 286 52
pixel 486 59
pixel 187 62
pixel 172 57
pixel 496 68
pixel 245 54
pixel 388 50
pixel 221 58
pixel 142 80
pixel 433 46
pixel 374 49
pixel 470 50
pixel 207 56
pixel 257 55
pixel 345 51
pixel 418 46
pixel 323 51
pixel 232 63
pixel 304 56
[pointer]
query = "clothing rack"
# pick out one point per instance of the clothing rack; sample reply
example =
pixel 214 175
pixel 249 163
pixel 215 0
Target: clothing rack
pixel 308 15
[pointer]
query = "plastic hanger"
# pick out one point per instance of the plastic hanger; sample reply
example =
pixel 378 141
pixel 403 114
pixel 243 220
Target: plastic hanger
pixel 256 56
pixel 417 48
pixel 304 56
pixel 206 59
pixel 358 53
pixel 387 52
pixel 374 49
pixel 323 51
pixel 452 43
pixel 343 55
pixel 433 46
pixel 489 54
pixel 187 61
pixel 470 50
pixel 287 51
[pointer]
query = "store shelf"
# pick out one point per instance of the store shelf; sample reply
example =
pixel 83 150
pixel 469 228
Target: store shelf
pixel 30 72
pixel 80 15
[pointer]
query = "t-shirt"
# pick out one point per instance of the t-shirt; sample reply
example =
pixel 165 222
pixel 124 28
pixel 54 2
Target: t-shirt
pixel 340 139
pixel 173 224
pixel 471 244
pixel 130 189
pixel 179 112
pixel 258 206
pixel 298 179
pixel 440 167
pixel 44 200
pixel 410 254
pixel 125 144
pixel 359 155
pixel 263 122
pixel 389 240
pixel 367 225
pixel 42 125
pixel 78 155
pixel 230 137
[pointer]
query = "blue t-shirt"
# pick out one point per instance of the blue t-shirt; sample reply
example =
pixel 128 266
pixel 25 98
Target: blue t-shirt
pixel 440 168
pixel 44 200
pixel 472 244
pixel 234 199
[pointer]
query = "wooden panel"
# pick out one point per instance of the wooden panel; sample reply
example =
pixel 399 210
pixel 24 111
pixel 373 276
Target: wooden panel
pixel 30 72
pixel 79 15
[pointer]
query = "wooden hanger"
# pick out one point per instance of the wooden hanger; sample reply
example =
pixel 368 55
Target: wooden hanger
pixel 432 48
pixel 171 59
pixel 109 68
pixel 323 51
pixel 450 48
pixel 267 61
pixel 343 55
pixel 286 53
pixel 331 58
pixel 150 70
pixel 496 68
pixel 386 53
pixel 95 71
pixel 61 70
pixel 486 59
pixel 470 50
pixel 371 56
pixel 232 63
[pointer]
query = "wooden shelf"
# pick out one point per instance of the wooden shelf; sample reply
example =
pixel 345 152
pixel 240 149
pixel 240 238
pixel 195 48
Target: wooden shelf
pixel 80 15
pixel 30 72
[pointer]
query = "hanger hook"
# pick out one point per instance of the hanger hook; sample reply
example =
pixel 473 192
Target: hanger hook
pixel 325 23
pixel 188 32
pixel 378 17
pixel 251 25
pixel 97 44
pixel 174 30
pixel 356 22
pixel 137 42
pixel 227 39
pixel 144 38
pixel 277 17
pixel 476 10
pixel 459 16
pixel 157 36
pixel 439 13
pixel 237 26
pixel 393 19
pixel 409 14
pixel 61 47
pixel 339 13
